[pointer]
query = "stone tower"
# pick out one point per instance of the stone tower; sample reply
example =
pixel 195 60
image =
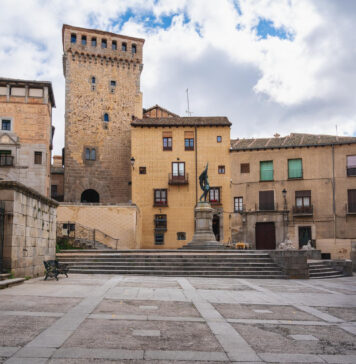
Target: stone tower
pixel 102 73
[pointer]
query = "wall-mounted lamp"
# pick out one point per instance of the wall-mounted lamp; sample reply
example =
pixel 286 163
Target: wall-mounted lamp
pixel 284 193
pixel 132 161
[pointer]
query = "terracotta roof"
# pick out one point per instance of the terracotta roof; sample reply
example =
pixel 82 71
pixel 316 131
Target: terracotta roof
pixel 290 141
pixel 161 108
pixel 183 121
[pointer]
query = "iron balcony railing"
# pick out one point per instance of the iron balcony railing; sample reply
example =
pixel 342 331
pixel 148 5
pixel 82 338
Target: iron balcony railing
pixel 351 171
pixel 6 160
pixel 177 180
pixel 303 210
pixel 351 208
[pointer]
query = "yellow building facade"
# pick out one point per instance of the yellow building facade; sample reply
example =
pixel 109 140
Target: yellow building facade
pixel 168 155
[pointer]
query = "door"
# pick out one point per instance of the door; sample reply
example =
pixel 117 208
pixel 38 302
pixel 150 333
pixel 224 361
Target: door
pixel 304 235
pixel 265 236
pixel 216 227
pixel 2 218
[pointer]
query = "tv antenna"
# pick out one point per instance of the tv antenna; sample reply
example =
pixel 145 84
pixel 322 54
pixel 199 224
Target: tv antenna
pixel 189 113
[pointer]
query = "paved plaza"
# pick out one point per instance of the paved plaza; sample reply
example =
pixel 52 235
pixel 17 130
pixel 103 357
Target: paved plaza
pixel 134 319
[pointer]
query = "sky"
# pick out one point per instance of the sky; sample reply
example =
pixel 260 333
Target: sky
pixel 270 66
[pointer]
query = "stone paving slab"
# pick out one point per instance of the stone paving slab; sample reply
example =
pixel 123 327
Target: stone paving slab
pixel 343 313
pixel 157 308
pixel 277 339
pixel 36 303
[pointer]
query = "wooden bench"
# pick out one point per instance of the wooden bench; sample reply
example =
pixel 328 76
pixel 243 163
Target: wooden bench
pixel 54 268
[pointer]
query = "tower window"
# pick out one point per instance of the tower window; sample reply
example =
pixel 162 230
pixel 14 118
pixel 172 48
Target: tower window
pixel 90 154
pixel 5 124
pixel 124 47
pixel 73 38
pixel 219 139
pixel 93 80
pixel 113 83
pixel 114 45
pixel 133 49
pixel 106 117
pixel 38 157
pixel 84 40
pixel 104 43
pixel 93 42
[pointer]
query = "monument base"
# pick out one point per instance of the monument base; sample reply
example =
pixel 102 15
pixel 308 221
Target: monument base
pixel 204 237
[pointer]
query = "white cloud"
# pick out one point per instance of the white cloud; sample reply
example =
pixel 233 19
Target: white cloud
pixel 303 84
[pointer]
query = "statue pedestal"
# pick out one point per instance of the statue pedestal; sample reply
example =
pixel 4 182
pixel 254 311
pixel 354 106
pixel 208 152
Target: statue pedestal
pixel 204 237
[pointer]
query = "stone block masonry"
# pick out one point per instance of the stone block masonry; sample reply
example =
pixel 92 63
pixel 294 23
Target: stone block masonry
pixel 29 229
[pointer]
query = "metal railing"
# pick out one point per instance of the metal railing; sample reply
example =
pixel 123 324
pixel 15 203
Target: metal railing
pixel 177 180
pixel 303 210
pixel 351 208
pixel 351 171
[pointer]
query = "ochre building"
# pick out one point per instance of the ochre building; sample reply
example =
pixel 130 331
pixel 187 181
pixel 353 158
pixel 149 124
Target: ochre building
pixel 26 132
pixel 57 178
pixel 168 155
pixel 102 73
pixel 301 187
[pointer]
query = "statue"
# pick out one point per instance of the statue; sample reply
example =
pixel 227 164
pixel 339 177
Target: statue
pixel 204 183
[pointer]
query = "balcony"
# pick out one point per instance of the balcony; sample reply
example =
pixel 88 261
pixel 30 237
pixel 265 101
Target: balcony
pixel 177 180
pixel 351 209
pixel 6 160
pixel 303 210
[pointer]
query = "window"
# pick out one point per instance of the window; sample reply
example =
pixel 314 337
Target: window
pixel 104 43
pixel 161 222
pixel 219 139
pixel 6 124
pixel 73 38
pixel 142 170
pixel 113 83
pixel 38 157
pixel 351 199
pixel 214 195
pixel 178 169
pixel 106 117
pixel 159 238
pixel 93 80
pixel 167 143
pixel 189 144
pixel 351 165
pixel 266 200
pixel 302 199
pixel 160 197
pixel 6 159
pixel 295 169
pixel 124 47
pixel 221 169
pixel 70 227
pixel 84 40
pixel 90 154
pixel 54 190
pixel 93 42
pixel 266 171
pixel 114 45
pixel 181 236
pixel 245 168
pixel 238 204
pixel 133 49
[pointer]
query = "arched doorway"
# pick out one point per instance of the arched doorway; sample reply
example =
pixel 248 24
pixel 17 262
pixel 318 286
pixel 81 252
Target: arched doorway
pixel 90 196
pixel 216 227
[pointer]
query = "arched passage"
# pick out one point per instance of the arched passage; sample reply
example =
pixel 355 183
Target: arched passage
pixel 90 196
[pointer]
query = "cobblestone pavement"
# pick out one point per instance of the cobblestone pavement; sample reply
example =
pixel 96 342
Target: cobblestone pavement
pixel 131 319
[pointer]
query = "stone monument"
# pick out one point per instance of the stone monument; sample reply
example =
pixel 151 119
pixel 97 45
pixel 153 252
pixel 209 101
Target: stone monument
pixel 204 237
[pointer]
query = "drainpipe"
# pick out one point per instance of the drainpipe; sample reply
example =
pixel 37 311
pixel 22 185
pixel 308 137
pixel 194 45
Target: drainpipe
pixel 196 165
pixel 333 187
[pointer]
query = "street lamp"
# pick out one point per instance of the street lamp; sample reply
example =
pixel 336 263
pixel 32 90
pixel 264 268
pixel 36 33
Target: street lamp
pixel 132 161
pixel 285 214
pixel 284 193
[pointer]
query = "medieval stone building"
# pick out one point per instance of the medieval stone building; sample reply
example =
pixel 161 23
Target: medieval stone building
pixel 102 72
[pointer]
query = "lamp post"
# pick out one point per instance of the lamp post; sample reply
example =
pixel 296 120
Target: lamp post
pixel 285 213
pixel 132 161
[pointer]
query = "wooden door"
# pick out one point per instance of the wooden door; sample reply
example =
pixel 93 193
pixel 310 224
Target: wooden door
pixel 265 236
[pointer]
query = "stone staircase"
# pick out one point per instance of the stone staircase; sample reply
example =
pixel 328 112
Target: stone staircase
pixel 244 264
pixel 320 269
pixel 7 281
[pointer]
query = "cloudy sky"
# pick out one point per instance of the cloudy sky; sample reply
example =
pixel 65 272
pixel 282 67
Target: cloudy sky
pixel 269 65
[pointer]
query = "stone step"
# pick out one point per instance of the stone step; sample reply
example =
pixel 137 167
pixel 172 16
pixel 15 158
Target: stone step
pixel 163 251
pixel 329 275
pixel 4 276
pixel 259 275
pixel 176 267
pixel 319 270
pixel 11 282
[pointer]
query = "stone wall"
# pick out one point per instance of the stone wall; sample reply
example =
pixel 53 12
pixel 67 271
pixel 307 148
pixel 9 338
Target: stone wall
pixel 29 229
pixel 119 222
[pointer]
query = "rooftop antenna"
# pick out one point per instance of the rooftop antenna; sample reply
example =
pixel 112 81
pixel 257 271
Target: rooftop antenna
pixel 189 113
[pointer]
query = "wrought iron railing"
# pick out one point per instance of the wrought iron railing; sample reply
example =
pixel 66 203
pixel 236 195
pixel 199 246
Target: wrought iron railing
pixel 178 180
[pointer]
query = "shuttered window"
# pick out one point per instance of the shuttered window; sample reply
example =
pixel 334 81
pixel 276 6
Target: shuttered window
pixel 245 167
pixel 266 171
pixel 351 165
pixel 266 200
pixel 351 198
pixel 295 169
